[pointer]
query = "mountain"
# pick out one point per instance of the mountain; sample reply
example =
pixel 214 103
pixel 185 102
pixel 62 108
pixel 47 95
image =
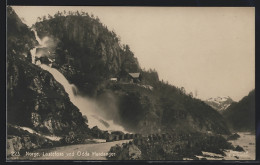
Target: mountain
pixel 88 55
pixel 86 52
pixel 241 115
pixel 220 103
pixel 34 98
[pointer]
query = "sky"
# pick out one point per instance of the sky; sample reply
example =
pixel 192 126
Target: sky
pixel 210 50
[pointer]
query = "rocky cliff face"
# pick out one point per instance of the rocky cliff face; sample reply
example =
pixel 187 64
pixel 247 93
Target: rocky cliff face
pixel 34 98
pixel 37 101
pixel 19 141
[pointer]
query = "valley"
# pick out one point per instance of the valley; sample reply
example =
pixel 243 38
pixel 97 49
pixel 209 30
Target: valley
pixel 76 93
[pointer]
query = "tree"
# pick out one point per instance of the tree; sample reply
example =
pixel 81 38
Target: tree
pixel 59 13
pixel 191 94
pixel 49 16
pixel 196 93
pixel 183 90
pixel 39 19
pixel 29 57
pixel 98 20
pixel 82 13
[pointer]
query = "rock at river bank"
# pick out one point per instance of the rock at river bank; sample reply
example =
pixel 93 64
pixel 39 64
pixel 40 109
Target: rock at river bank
pixel 239 148
pixel 19 140
pixel 233 137
pixel 125 152
pixel 179 146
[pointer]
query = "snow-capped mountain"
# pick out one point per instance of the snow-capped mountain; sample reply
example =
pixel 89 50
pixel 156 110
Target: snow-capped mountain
pixel 219 103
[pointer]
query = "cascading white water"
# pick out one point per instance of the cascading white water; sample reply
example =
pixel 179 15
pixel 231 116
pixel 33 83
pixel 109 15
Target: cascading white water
pixel 86 106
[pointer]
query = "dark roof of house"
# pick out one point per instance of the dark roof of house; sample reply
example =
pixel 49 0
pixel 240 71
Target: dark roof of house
pixel 134 75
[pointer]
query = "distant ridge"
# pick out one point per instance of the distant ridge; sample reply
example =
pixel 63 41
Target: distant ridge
pixel 219 103
pixel 241 115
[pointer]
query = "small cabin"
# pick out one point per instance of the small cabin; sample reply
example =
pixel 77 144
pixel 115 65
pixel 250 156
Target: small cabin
pixel 135 77
pixel 129 77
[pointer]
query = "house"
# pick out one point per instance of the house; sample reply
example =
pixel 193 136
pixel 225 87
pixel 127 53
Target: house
pixel 135 77
pixel 126 77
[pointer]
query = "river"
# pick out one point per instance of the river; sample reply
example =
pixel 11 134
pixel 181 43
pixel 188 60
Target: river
pixel 98 151
pixel 246 141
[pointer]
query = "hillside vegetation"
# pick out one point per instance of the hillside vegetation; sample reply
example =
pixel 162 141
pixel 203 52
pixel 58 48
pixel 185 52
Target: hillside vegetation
pixel 241 116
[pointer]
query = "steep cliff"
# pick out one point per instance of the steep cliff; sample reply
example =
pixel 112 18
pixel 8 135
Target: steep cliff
pixel 34 98
pixel 37 101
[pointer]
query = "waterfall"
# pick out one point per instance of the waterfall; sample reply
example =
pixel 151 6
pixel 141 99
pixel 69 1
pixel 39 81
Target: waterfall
pixel 86 106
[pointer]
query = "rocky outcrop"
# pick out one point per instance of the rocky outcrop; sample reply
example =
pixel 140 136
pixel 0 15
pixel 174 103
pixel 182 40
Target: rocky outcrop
pixel 125 151
pixel 13 145
pixel 19 140
pixel 34 98
pixel 38 101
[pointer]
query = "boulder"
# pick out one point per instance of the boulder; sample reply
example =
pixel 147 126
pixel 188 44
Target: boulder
pixel 10 147
pixel 14 145
pixel 26 142
pixel 125 152
pixel 233 137
pixel 239 149
pixel 134 152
